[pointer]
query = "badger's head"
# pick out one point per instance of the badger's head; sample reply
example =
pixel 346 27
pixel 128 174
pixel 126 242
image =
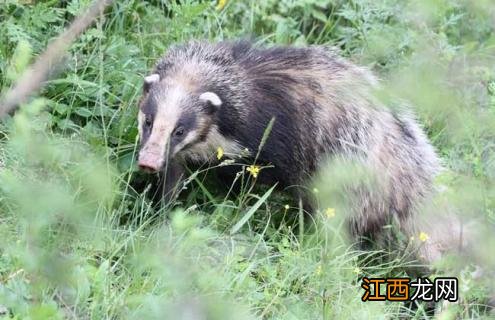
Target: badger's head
pixel 174 115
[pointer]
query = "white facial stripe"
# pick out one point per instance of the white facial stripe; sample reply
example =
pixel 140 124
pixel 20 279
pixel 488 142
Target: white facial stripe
pixel 191 136
pixel 211 97
pixel 167 114
pixel 155 77
pixel 206 150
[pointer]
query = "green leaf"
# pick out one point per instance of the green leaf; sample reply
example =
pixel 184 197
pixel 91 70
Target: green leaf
pixel 83 112
pixel 20 60
pixel 60 108
pixel 66 124
pixel 319 15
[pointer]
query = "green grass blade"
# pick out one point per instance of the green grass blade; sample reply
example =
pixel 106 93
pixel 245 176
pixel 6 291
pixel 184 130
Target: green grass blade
pixel 265 136
pixel 251 211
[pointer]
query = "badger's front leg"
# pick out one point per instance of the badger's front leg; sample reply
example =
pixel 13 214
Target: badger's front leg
pixel 173 174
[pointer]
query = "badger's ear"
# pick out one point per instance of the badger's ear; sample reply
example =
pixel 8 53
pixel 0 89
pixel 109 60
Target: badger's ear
pixel 212 101
pixel 149 80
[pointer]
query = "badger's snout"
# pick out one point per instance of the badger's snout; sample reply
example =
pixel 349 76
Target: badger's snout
pixel 150 161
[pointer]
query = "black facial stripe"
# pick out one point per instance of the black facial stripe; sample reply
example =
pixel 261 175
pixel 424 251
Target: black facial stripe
pixel 149 106
pixel 146 87
pixel 187 121
pixel 199 138
pixel 149 109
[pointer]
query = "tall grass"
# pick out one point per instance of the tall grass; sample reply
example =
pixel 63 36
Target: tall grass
pixel 82 238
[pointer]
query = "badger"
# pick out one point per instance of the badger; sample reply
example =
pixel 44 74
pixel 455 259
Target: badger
pixel 202 96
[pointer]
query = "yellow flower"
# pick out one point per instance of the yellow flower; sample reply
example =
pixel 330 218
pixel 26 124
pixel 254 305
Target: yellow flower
pixel 219 153
pixel 423 236
pixel 330 212
pixel 286 207
pixel 254 170
pixel 221 4
pixel 318 270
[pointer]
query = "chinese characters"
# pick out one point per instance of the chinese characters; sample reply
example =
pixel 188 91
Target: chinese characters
pixel 403 289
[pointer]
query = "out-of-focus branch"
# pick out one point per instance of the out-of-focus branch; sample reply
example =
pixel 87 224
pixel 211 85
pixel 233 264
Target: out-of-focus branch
pixel 33 78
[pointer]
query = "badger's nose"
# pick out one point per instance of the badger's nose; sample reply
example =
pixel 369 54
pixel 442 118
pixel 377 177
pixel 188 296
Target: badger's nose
pixel 147 168
pixel 150 162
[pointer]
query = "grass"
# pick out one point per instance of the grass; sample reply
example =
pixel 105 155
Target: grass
pixel 81 237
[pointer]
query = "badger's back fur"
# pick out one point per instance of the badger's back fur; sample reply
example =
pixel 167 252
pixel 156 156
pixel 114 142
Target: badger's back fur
pixel 323 106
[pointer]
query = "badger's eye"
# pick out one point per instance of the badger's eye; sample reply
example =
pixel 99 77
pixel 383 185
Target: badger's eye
pixel 148 121
pixel 179 132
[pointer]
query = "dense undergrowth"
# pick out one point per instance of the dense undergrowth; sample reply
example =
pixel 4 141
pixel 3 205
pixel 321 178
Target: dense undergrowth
pixel 81 238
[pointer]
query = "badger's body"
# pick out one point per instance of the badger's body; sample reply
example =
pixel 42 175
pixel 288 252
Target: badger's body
pixel 203 96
